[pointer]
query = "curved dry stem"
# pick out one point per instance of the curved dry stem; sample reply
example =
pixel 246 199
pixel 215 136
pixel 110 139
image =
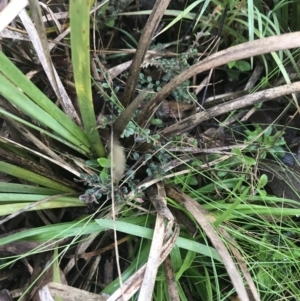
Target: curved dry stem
pixel 241 102
pixel 145 40
pixel 242 51
pixel 202 217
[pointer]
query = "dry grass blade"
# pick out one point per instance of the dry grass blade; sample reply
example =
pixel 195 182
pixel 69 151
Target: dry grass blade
pixel 132 285
pixel 10 33
pixel 241 102
pixel 47 154
pixel 69 293
pixel 11 11
pixel 239 258
pixel 123 119
pixel 242 51
pixel 160 232
pixel 153 261
pixel 39 40
pixel 59 162
pixel 117 70
pixel 30 206
pixel 26 133
pixel 81 248
pixel 145 40
pixel 51 14
pixel 170 279
pixel 157 195
pixel 201 217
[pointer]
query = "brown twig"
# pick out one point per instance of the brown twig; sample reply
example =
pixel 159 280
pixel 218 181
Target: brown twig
pixel 241 102
pixel 145 40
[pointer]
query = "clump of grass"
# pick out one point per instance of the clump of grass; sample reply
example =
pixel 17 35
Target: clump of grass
pixel 237 235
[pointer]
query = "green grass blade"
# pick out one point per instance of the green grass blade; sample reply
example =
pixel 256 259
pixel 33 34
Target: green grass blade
pixel 181 15
pixel 168 12
pixel 251 24
pixel 7 198
pixel 22 188
pixel 20 100
pixel 278 61
pixel 203 9
pixel 21 81
pixel 176 258
pixel 33 177
pixel 144 232
pixel 82 149
pixel 80 32
pixel 56 231
pixel 12 208
pixel 188 261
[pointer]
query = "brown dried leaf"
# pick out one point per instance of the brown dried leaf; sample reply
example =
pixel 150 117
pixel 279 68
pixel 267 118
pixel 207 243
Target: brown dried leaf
pixel 205 219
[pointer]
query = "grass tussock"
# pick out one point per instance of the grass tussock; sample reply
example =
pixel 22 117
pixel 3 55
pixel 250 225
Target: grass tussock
pixel 201 98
